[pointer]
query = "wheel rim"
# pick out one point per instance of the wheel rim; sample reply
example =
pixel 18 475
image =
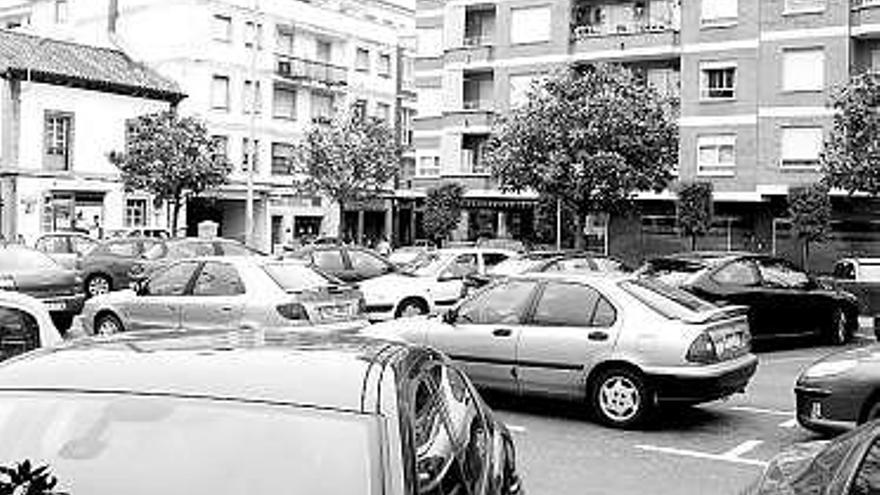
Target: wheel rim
pixel 619 398
pixel 98 286
pixel 108 326
pixel 411 310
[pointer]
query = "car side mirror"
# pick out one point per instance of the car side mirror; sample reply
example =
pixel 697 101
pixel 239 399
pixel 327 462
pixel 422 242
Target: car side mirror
pixel 450 316
pixel 140 287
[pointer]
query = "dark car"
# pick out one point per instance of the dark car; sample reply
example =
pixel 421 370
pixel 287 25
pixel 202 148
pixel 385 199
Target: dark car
pixel 550 261
pixel 114 264
pixel 783 300
pixel 34 273
pixel 67 248
pixel 347 263
pixel 840 391
pixel 255 412
pixel 847 465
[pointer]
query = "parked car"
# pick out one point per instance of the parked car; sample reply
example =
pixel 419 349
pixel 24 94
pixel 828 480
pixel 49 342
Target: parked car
pixel 67 248
pixel 434 280
pixel 860 277
pixel 347 263
pixel 847 465
pixel 839 391
pixel 405 255
pixel 782 299
pixel 501 243
pixel 154 232
pixel 162 253
pixel 225 292
pixel 615 344
pixel 25 325
pixel 328 415
pixel 32 272
pixel 551 261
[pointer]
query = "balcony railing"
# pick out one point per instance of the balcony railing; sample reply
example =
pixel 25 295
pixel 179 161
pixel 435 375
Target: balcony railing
pixel 592 19
pixel 481 104
pixel 582 32
pixel 478 40
pixel 311 70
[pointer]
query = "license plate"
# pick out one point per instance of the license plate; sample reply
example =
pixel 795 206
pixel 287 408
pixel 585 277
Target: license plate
pixel 55 305
pixel 335 312
pixel 816 410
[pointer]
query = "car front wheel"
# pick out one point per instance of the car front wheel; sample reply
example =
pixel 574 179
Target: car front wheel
pixel 108 324
pixel 620 398
pixel 97 285
pixel 411 307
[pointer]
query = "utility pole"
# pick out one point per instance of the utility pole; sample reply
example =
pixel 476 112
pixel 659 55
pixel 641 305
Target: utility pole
pixel 252 148
pixel 558 224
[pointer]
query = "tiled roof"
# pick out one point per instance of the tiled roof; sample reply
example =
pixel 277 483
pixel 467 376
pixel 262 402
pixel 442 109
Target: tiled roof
pixel 90 66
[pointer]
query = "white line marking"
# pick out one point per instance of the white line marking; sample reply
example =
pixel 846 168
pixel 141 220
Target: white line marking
pixel 760 410
pixel 742 448
pixel 791 423
pixel 792 359
pixel 516 429
pixel 701 455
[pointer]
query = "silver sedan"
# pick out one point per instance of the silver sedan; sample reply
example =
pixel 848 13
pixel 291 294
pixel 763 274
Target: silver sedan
pixel 619 345
pixel 225 292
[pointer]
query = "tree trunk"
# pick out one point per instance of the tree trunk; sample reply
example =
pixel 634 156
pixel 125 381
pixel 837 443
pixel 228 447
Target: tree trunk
pixel 693 242
pixel 806 255
pixel 175 212
pixel 579 243
pixel 340 230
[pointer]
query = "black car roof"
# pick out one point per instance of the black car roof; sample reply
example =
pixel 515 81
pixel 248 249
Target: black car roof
pixel 277 366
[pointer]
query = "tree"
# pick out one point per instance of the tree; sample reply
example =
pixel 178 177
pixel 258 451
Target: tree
pixel 694 209
pixel 809 208
pixel 26 479
pixel 171 157
pixel 591 137
pixel 850 159
pixel 443 210
pixel 350 159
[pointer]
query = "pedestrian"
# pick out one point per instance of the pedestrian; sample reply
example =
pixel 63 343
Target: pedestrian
pixel 95 229
pixel 383 247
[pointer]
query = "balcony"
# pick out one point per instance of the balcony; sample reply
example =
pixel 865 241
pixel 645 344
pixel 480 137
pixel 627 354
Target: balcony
pixel 303 70
pixel 866 19
pixel 626 29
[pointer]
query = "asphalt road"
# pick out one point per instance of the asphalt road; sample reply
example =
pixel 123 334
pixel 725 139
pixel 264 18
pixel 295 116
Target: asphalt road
pixel 716 448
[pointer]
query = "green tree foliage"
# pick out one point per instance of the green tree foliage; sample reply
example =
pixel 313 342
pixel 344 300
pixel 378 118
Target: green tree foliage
pixel 23 478
pixel 851 157
pixel 809 208
pixel 443 210
pixel 694 209
pixel 591 136
pixel 171 157
pixel 350 159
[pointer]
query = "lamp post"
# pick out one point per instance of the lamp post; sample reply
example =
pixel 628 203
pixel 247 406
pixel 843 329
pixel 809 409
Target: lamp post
pixel 252 148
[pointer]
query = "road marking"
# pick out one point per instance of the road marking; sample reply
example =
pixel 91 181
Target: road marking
pixel 792 359
pixel 516 429
pixel 702 455
pixel 742 448
pixel 761 410
pixel 791 423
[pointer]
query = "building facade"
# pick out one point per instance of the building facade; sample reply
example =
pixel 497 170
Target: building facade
pixel 63 109
pixel 753 77
pixel 260 73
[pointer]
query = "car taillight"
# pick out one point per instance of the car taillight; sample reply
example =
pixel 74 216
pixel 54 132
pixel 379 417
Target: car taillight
pixel 702 350
pixel 292 311
pixel 7 282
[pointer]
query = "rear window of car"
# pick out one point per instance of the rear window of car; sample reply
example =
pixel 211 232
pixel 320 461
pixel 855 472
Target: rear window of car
pixel 179 250
pixel 670 302
pixel 295 277
pixel 21 259
pixel 672 272
pixel 100 444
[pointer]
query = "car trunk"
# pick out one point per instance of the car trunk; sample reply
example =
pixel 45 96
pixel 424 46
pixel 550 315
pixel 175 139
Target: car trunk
pixel 45 284
pixel 333 303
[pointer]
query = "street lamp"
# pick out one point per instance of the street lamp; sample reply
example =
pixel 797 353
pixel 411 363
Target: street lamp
pixel 252 151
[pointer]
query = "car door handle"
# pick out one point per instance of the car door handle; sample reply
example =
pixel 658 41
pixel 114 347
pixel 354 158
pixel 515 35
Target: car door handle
pixel 502 332
pixel 226 309
pixel 600 336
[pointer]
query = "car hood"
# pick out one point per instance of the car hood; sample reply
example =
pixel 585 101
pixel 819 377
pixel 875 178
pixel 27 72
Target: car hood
pixel 784 473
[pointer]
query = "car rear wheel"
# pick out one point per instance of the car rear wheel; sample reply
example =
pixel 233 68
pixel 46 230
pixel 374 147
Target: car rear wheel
pixel 108 324
pixel 872 413
pixel 620 398
pixel 838 332
pixel 411 307
pixel 97 285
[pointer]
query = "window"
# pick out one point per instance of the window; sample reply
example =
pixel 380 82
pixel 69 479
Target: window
pixel 502 304
pixel 221 147
pixel 737 273
pixel 19 332
pixel 803 6
pixel 253 32
pixel 569 305
pixel 366 264
pixel 462 266
pixel 867 478
pixel 362 60
pixel 473 151
pixel 530 24
pixel 56 244
pixel 220 93
pixel 284 41
pixel 232 248
pixel 385 65
pixel 776 273
pixel 135 212
pixel 252 97
pixel 383 112
pixel 406 126
pixel 493 259
pixel 173 280
pixel 218 279
pixel 715 12
pixel 801 147
pixel 803 69
pixel 478 90
pixel 479 25
pixel 520 85
pixel 328 260
pixel 221 28
pixel 572 265
pixel 59 140
pixel 83 245
pixel 282 158
pixel 718 81
pixel 125 249
pixel 716 155
pixel 322 107
pixel 185 249
pixel 429 166
pixel 247 152
pixel 430 42
pixel 324 51
pixel 360 108
pixel 284 103
pixel 61 12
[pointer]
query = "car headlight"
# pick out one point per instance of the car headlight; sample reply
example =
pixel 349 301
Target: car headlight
pixel 830 368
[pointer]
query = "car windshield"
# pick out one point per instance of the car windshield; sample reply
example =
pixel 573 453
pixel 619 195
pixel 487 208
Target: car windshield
pixel 107 444
pixel 869 272
pixel 670 302
pixel 14 259
pixel 515 266
pixel 179 250
pixel 426 264
pixel 296 277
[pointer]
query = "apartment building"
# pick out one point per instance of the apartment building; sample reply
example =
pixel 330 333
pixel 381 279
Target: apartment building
pixel 753 77
pixel 260 73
